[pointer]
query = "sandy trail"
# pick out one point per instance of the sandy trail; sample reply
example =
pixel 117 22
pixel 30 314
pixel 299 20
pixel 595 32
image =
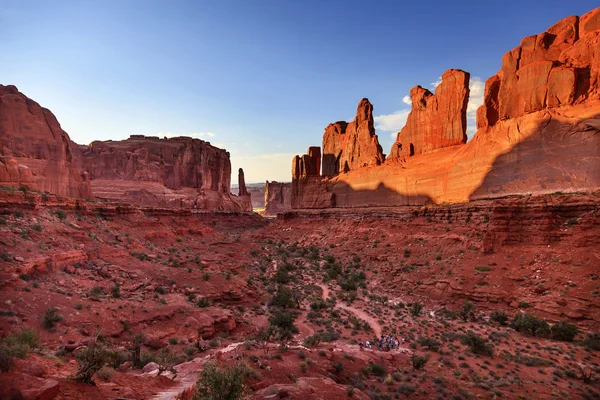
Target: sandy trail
pixel 364 316
pixel 187 374
pixel 357 312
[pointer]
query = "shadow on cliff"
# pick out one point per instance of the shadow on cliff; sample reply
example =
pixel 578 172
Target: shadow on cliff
pixel 381 196
pixel 557 156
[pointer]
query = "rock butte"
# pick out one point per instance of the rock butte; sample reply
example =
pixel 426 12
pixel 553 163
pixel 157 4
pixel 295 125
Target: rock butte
pixel 172 172
pixel 537 132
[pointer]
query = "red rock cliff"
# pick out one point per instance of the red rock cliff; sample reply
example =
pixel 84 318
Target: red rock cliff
pixel 174 172
pixel 34 151
pixel 348 146
pixel 278 197
pixel 538 132
pixel 558 67
pixel 436 120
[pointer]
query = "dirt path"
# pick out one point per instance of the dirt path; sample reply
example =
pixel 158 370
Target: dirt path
pixel 357 312
pixel 364 316
pixel 188 372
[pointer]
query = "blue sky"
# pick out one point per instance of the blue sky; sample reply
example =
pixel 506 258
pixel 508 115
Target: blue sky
pixel 259 78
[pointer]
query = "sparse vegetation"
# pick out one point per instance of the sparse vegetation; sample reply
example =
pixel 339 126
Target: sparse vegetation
pixel 221 382
pixel 51 317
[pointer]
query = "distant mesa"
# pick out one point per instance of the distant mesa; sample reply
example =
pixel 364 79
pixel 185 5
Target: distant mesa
pixel 537 132
pixel 171 172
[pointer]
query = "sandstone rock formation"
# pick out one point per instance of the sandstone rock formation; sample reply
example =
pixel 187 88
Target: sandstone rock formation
pixel 348 146
pixel 172 172
pixel 305 174
pixel 559 67
pixel 242 191
pixel 436 120
pixel 278 197
pixel 35 152
pixel 538 132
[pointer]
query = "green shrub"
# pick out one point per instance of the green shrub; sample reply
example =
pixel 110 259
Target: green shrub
pixel 203 302
pixel 51 317
pixel 499 317
pixel 377 369
pixel 592 342
pixel 430 343
pixel 221 382
pixel 530 325
pixel 61 215
pixel 564 331
pixel 468 311
pixel 105 373
pixel 415 309
pixel 37 227
pixel 418 362
pixel 115 291
pixel 140 256
pixel 90 361
pixel 477 344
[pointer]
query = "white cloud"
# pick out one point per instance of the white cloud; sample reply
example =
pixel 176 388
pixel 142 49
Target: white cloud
pixel 436 83
pixel 406 100
pixel 477 87
pixel 392 122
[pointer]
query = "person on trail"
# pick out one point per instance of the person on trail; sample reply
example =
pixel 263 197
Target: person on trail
pixel 402 340
pixel 368 344
pixel 360 345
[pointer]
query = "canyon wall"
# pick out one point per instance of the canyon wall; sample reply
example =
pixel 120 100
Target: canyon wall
pixel 538 132
pixel 35 153
pixel 436 120
pixel 169 172
pixel 278 197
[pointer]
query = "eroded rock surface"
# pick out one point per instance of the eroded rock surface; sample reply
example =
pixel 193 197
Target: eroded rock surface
pixel 538 132
pixel 35 153
pixel 436 120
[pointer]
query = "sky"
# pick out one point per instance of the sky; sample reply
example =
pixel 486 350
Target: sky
pixel 259 78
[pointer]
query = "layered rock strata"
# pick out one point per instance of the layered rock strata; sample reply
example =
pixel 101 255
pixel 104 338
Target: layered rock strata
pixel 278 197
pixel 35 153
pixel 538 132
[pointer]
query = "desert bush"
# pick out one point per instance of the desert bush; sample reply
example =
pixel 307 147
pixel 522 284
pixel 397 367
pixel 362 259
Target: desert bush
pixel 415 309
pixel 115 290
pixel 90 361
pixel 203 302
pixel 221 382
pixel 564 331
pixel 377 369
pixel 468 311
pixel 430 343
pixel 312 341
pixel 592 341
pixel 284 298
pixel 105 373
pixel 51 317
pixel 418 362
pixel 530 325
pixel 499 317
pixel 477 344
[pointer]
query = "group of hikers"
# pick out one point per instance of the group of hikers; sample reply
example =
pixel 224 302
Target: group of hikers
pixel 385 343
